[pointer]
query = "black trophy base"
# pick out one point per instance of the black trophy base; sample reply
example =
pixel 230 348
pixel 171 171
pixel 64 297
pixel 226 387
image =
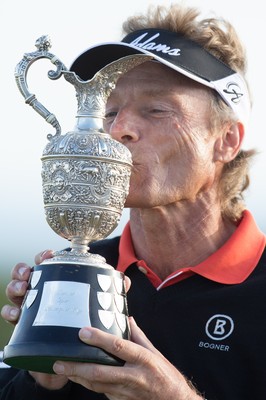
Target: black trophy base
pixel 42 357
pixel 62 298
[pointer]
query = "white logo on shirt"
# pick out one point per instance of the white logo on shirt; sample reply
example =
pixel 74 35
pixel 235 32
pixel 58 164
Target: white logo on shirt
pixel 219 327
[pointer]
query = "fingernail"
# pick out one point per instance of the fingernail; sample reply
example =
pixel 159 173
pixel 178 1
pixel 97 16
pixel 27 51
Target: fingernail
pixel 59 368
pixel 18 286
pixel 131 319
pixel 14 313
pixel 21 271
pixel 43 253
pixel 85 334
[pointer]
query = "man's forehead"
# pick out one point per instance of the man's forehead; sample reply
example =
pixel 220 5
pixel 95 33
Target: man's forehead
pixel 157 78
pixel 150 89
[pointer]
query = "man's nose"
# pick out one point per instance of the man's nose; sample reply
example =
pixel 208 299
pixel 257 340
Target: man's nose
pixel 125 128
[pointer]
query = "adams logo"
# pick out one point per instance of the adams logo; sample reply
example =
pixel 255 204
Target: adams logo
pixel 150 44
pixel 219 327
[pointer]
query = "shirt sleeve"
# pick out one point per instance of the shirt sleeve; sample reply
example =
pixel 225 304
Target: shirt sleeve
pixel 19 385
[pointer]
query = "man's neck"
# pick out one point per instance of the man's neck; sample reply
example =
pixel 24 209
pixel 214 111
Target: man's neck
pixel 178 235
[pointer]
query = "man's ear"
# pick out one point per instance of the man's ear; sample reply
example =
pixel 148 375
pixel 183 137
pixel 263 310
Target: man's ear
pixel 228 143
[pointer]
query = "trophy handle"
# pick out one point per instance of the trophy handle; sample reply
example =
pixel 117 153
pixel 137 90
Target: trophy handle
pixel 43 45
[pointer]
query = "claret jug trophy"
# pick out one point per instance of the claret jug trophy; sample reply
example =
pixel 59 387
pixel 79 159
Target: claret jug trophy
pixel 85 181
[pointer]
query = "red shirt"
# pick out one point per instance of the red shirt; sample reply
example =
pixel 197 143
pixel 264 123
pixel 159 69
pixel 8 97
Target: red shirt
pixel 230 264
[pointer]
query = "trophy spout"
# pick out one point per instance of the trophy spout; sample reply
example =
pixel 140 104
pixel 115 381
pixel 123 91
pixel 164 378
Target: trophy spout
pixel 92 94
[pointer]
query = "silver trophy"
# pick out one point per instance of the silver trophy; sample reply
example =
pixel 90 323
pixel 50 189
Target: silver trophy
pixel 85 175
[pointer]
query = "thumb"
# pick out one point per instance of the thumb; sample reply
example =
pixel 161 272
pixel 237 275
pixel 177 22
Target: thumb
pixel 43 256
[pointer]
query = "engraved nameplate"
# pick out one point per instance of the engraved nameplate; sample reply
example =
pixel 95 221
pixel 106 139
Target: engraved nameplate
pixel 64 304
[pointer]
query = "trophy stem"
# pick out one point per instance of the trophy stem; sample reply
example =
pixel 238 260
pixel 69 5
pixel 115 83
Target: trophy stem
pixel 79 245
pixel 79 254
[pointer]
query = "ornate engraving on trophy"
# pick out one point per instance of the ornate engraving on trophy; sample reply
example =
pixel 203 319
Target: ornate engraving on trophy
pixel 83 197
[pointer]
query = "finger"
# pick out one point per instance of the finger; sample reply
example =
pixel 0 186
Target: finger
pixel 114 382
pixel 121 348
pixel 43 256
pixel 111 390
pixel 10 314
pixel 93 376
pixel 16 290
pixel 21 272
pixel 127 283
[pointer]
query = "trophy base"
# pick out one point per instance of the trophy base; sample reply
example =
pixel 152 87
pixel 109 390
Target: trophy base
pixel 42 357
pixel 62 298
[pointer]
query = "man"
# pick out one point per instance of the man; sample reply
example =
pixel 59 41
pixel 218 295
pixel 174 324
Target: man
pixel 193 254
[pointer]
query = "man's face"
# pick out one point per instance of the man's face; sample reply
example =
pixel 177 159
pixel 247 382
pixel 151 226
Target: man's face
pixel 163 119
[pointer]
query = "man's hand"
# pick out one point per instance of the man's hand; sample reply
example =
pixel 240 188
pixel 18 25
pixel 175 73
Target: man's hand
pixel 17 288
pixel 146 374
pixel 15 292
